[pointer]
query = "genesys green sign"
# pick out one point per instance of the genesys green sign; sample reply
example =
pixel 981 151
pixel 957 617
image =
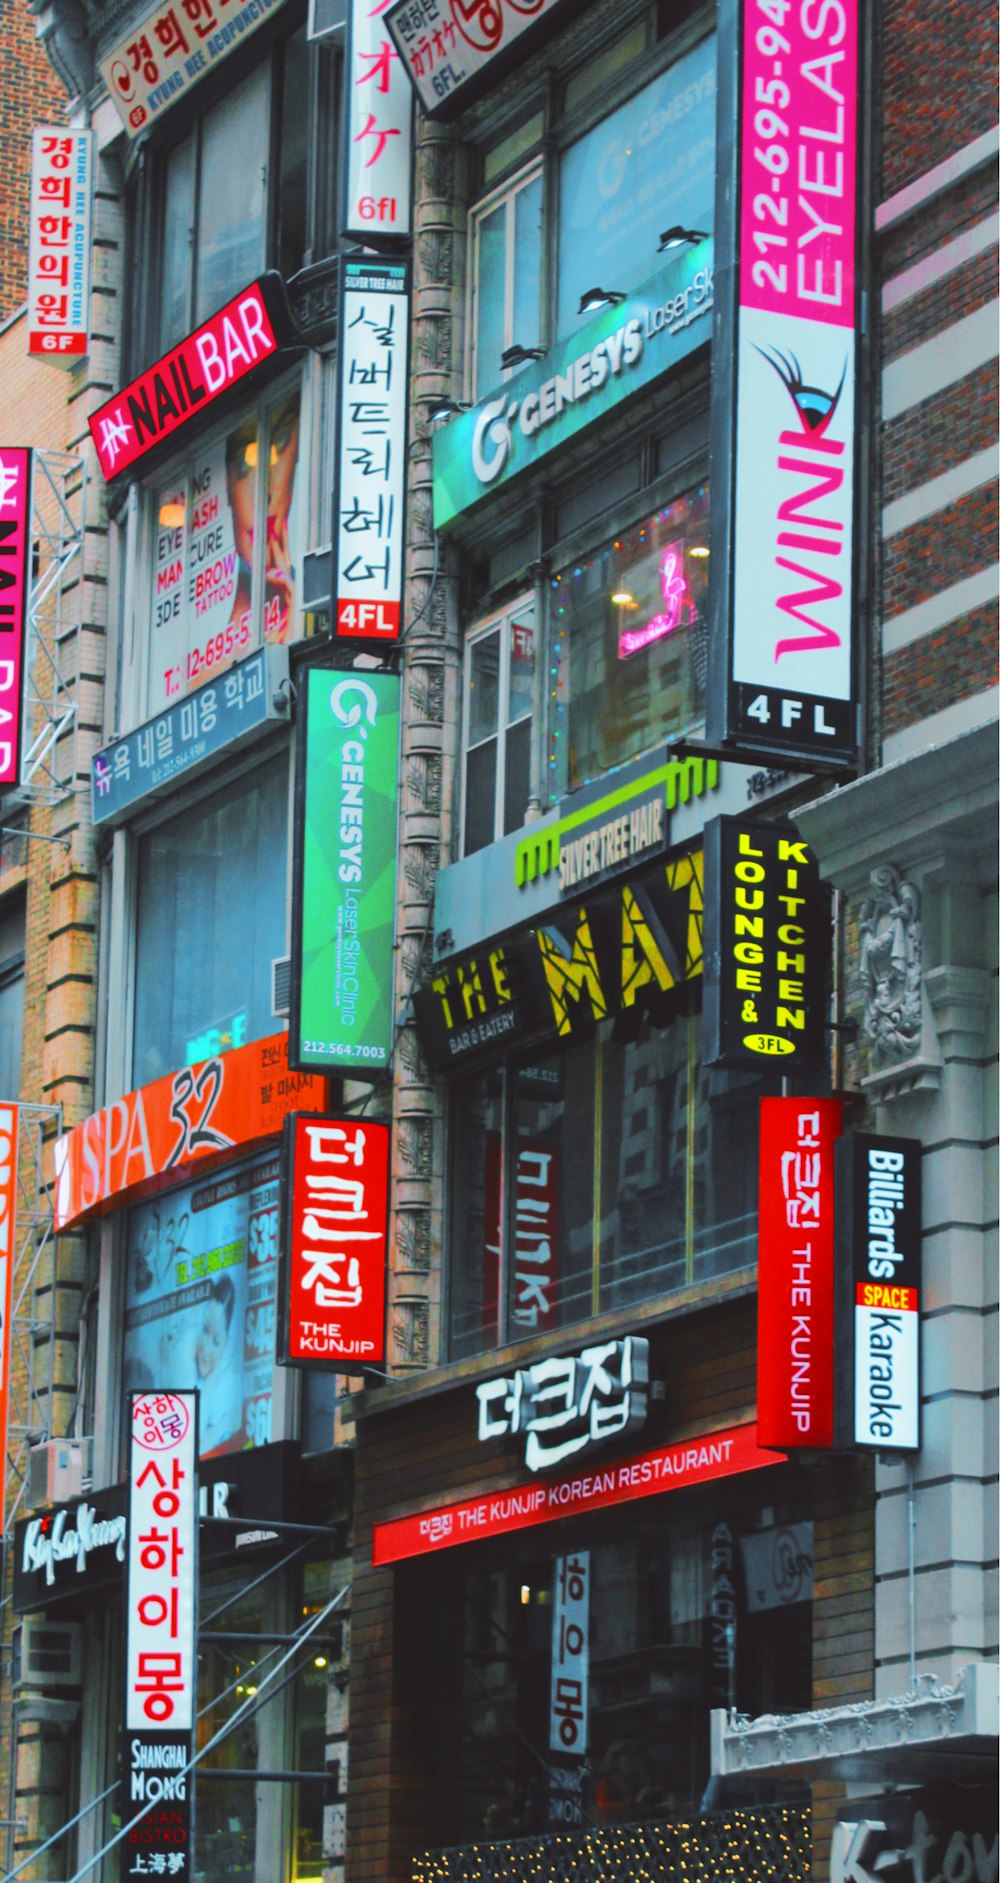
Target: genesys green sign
pixel 616 354
pixel 344 892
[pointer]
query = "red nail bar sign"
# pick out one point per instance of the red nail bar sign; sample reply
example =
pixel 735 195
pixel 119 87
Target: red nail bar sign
pixel 621 1481
pixel 187 381
pixel 15 540
pixel 795 1268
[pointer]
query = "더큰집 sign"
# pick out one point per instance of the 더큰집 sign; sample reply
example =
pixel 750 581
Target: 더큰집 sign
pixel 765 947
pixel 333 1242
pixel 371 455
pixel 795 1274
pixel 565 1405
pixel 879 1270
pixel 59 244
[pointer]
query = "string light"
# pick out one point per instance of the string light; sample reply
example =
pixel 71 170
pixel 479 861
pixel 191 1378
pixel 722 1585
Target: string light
pixel 774 1841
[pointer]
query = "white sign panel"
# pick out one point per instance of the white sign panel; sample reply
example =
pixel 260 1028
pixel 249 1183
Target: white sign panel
pixel 568 1711
pixel 379 128
pixel 171 49
pixel 568 1403
pixel 371 478
pixel 59 244
pixel 446 44
pixel 161 1659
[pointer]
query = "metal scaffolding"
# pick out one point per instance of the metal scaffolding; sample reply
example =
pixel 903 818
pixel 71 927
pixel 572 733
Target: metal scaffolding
pixel 52 652
pixel 33 1324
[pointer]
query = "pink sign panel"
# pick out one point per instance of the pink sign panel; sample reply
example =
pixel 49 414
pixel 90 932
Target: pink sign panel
pixel 15 544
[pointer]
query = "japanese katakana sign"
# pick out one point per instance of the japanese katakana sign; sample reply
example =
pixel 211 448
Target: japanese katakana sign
pixel 333 1241
pixel 379 114
pixel 371 460
pixel 170 49
pixel 569 1402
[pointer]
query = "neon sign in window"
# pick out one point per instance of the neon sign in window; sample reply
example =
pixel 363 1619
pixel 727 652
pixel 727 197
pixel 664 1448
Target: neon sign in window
pixel 674 590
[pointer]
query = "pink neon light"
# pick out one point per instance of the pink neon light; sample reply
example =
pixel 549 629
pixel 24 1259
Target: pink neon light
pixel 675 593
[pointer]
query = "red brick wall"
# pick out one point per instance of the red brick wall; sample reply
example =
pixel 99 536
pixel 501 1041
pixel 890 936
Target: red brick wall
pixel 30 94
pixel 933 52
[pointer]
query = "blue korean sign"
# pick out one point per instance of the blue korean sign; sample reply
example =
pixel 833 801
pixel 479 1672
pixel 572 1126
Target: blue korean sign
pixel 193 730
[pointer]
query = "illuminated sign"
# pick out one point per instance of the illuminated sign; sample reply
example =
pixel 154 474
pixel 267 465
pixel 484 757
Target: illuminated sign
pixel 610 823
pixel 333 1242
pixel 675 593
pixel 565 1405
pixel 9 1119
pixel 535 1224
pixel 379 119
pixel 344 872
pixel 795 1271
pixel 783 682
pixel 623 349
pixel 451 49
pixel 766 943
pixel 59 244
pixel 144 1141
pixel 701 1460
pixel 160 59
pixel 569 1686
pixel 371 452
pixel 15 580
pixel 184 384
pixel 879 1265
pixel 627 951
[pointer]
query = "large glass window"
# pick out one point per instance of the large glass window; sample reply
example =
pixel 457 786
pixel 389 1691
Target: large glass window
pixel 211 918
pixel 506 276
pixel 499 695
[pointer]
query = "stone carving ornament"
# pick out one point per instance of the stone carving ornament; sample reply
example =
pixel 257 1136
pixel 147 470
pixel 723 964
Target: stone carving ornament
pixel 890 966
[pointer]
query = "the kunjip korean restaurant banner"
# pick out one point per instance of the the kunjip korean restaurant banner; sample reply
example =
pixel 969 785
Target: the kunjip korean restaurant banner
pixel 795 1270
pixel 766 945
pixel 879 1293
pixel 333 1242
pixel 59 244
pixel 784 685
pixel 9 1118
pixel 170 49
pixel 453 49
pixel 344 872
pixel 379 116
pixel 15 579
pixel 161 1657
pixel 249 331
pixel 371 457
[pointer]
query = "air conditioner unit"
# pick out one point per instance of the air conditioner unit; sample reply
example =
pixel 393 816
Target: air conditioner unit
pixel 47 1654
pixel 59 1470
pixel 281 986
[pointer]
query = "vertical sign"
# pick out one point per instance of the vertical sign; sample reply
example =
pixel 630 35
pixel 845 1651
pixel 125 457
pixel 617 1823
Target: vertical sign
pixel 569 1690
pixel 379 117
pixel 8 1252
pixel 161 1661
pixel 344 872
pixel 333 1242
pixel 879 1263
pixel 59 244
pixel 766 943
pixel 15 581
pixel 371 455
pixel 783 518
pixel 795 1292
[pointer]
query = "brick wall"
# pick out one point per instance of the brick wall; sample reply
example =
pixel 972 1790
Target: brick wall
pixel 30 94
pixel 930 51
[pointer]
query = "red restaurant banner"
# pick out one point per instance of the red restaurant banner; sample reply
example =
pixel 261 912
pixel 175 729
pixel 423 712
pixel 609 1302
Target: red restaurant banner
pixel 795 1269
pixel 668 1468
pixel 335 1203
pixel 15 542
pixel 141 1143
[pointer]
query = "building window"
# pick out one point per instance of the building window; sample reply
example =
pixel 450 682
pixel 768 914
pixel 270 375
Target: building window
pixel 499 696
pixel 630 1172
pixel 506 276
pixel 211 917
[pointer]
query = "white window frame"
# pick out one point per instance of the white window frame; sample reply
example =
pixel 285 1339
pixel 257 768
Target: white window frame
pixel 496 623
pixel 505 194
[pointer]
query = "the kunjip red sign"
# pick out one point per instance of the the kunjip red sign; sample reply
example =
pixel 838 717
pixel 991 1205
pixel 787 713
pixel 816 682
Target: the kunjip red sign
pixel 795 1267
pixel 333 1242
pixel 15 540
pixel 241 337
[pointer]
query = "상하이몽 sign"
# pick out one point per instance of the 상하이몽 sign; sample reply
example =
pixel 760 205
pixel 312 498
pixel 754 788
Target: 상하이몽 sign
pixel 59 244
pixel 15 577
pixel 766 943
pixel 371 452
pixel 795 1285
pixel 333 1242
pixel 565 1405
pixel 879 1256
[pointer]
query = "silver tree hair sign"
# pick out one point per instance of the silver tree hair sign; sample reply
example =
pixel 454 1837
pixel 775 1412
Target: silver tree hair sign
pixel 783 679
pixel 879 1282
pixel 765 947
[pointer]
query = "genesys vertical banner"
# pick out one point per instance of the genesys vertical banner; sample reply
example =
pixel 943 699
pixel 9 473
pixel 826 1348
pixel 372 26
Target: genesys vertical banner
pixel 795 1267
pixel 783 684
pixel 344 872
pixel 379 118
pixel 334 1228
pixel 161 1658
pixel 371 452
pixel 15 582
pixel 8 1253
pixel 879 1222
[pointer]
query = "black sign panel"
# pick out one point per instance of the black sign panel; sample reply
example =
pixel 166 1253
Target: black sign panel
pixel 155 1775
pixel 766 944
pixel 878 1218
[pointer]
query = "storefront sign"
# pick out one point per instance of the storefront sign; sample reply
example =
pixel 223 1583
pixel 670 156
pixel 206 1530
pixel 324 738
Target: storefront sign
pixel 161 1659
pixel 947 1835
pixel 778 1566
pixel 159 60
pixel 15 583
pixel 566 1404
pixel 71 1536
pixel 610 826
pixel 626 951
pixel 371 453
pixel 143 1142
pixel 379 120
pixel 622 350
pixel 795 1287
pixel 333 1242
pixel 227 349
pixel 669 1468
pixel 535 1235
pixel 216 718
pixel 9 1120
pixel 344 872
pixel 568 1701
pixel 766 945
pixel 452 49
pixel 879 1262
pixel 59 244
pixel 782 524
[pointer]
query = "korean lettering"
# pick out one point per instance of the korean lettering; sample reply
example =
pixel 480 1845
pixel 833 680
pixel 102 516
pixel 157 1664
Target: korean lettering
pixel 162 1538
pixel 570 1654
pixel 372 456
pixel 332 1209
pixel 568 1402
